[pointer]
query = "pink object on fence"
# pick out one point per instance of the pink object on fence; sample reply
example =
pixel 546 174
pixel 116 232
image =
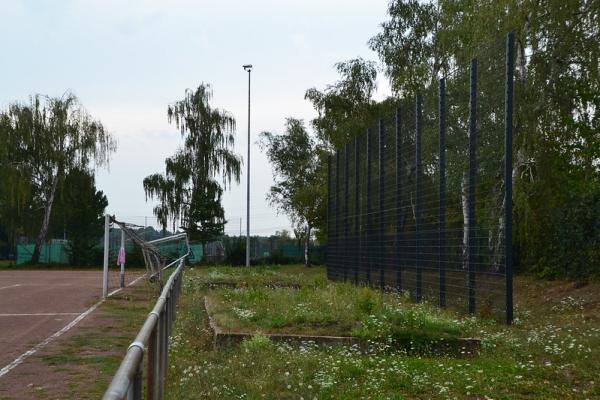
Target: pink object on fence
pixel 121 259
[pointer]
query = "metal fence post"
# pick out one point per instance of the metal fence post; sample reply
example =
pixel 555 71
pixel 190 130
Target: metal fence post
pixel 398 241
pixel 418 199
pixel 472 175
pixel 442 193
pixel 329 250
pixel 162 338
pixel 346 213
pixel 508 126
pixel 151 367
pixel 337 214
pixel 369 209
pixel 357 208
pixel 137 382
pixel 381 244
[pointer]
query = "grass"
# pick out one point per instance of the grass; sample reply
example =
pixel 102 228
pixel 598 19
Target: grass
pixel 274 276
pixel 330 309
pixel 550 352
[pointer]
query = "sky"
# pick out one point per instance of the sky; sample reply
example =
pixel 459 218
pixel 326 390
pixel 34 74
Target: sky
pixel 127 60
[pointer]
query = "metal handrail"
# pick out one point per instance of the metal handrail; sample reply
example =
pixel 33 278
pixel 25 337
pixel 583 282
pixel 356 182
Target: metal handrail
pixel 153 340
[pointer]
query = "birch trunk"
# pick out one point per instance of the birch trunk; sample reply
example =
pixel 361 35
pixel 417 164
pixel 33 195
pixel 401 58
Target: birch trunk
pixel 465 210
pixel 41 238
pixel 307 246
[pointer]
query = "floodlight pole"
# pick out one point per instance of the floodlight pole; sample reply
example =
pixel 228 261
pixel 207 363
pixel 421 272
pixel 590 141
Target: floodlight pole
pixel 105 265
pixel 248 68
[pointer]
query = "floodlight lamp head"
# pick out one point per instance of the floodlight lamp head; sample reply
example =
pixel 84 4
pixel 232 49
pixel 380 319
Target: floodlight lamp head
pixel 247 67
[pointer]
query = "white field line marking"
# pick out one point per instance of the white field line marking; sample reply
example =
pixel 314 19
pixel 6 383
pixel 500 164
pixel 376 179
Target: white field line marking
pixel 10 286
pixel 38 346
pixel 19 360
pixel 39 314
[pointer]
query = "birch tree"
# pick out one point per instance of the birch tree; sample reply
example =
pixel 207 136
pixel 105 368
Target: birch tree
pixel 189 192
pixel 47 138
pixel 299 189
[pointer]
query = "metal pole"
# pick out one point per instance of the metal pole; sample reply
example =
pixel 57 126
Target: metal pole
pixel 418 266
pixel 442 194
pixel 381 257
pixel 249 69
pixel 357 208
pixel 337 214
pixel 123 260
pixel 369 216
pixel 346 213
pixel 508 158
pixel 398 199
pixel 105 262
pixel 472 174
pixel 329 251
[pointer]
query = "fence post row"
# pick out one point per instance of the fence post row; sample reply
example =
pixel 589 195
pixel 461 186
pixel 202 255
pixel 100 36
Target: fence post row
pixel 508 126
pixel 418 199
pixel 471 238
pixel 442 193
pixel 408 251
pixel 153 339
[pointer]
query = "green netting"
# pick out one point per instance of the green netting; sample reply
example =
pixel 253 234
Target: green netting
pixel 51 253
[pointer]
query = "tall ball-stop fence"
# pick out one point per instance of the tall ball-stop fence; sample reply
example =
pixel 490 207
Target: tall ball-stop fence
pixel 422 201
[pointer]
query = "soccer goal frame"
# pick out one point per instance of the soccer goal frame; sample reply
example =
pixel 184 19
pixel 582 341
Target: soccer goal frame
pixel 154 261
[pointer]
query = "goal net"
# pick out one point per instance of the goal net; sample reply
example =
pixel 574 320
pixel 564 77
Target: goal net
pixel 132 253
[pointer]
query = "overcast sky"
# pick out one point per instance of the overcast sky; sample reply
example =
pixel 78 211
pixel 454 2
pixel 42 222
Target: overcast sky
pixel 126 60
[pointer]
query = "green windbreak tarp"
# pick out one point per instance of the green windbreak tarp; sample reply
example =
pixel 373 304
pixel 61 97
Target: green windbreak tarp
pixel 52 253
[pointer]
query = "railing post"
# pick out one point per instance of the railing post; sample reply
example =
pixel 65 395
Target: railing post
pixel 346 261
pixel 508 159
pixel 161 353
pixel 151 392
pixel 381 245
pixel 137 382
pixel 442 193
pixel 368 236
pixel 418 199
pixel 357 229
pixel 472 175
pixel 398 241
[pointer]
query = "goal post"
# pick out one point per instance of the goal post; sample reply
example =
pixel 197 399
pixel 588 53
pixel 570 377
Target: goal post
pixel 105 259
pixel 154 256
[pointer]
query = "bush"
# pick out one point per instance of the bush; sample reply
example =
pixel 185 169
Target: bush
pixel 235 251
pixel 84 252
pixel 573 250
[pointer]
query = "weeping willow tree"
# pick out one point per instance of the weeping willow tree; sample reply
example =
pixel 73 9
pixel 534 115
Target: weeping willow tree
pixel 189 191
pixel 45 140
